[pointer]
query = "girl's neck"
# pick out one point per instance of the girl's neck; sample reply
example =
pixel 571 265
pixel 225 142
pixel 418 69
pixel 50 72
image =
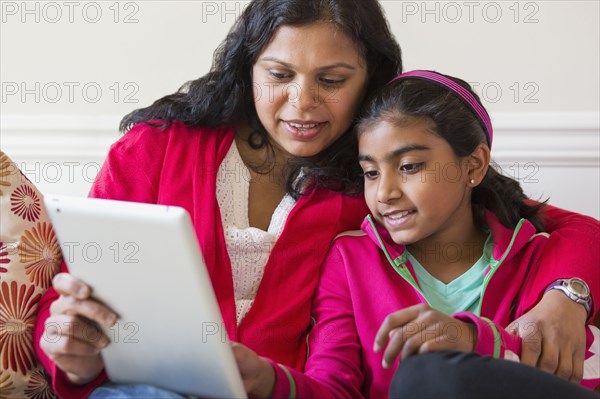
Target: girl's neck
pixel 448 255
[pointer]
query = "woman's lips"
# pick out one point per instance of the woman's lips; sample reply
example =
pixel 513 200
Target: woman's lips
pixel 304 130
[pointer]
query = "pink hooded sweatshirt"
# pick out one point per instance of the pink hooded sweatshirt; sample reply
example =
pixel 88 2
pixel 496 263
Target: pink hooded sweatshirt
pixel 367 276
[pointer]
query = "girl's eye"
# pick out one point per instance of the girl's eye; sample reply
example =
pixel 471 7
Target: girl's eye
pixel 411 168
pixel 370 174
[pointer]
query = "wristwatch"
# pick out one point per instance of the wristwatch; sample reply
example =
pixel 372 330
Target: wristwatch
pixel 576 289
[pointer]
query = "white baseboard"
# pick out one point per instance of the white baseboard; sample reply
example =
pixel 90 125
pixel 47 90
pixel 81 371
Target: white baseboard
pixel 548 139
pixel 62 137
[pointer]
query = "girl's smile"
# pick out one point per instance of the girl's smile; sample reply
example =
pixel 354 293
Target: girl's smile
pixel 397 219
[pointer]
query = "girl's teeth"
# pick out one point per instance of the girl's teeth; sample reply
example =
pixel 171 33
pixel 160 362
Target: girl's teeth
pixel 399 215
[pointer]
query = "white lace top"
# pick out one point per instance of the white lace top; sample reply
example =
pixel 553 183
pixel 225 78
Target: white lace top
pixel 248 247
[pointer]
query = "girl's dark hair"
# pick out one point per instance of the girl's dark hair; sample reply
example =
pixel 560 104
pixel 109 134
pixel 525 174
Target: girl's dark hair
pixel 456 123
pixel 223 97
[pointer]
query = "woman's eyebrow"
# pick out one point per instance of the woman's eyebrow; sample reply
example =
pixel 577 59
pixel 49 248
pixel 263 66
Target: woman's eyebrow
pixel 338 65
pixel 326 67
pixel 395 153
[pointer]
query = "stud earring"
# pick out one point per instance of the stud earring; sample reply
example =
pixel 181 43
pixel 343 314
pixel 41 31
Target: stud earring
pixel 472 181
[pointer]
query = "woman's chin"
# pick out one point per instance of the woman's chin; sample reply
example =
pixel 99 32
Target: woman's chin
pixel 304 151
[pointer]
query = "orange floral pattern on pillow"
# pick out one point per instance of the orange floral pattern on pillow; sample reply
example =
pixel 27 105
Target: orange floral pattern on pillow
pixel 5 172
pixel 26 203
pixel 29 258
pixel 39 386
pixel 3 258
pixel 41 254
pixel 7 387
pixel 17 314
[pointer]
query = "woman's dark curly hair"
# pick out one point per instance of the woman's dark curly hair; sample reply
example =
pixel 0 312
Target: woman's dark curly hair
pixel 223 97
pixel 455 122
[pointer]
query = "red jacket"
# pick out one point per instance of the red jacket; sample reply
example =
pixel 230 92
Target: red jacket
pixel 179 166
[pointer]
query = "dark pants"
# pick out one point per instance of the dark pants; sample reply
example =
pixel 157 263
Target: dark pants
pixel 450 375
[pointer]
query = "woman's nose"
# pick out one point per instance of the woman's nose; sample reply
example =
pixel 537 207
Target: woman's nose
pixel 303 95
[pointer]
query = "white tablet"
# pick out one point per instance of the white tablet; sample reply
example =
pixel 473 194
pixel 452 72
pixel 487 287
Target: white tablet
pixel 144 262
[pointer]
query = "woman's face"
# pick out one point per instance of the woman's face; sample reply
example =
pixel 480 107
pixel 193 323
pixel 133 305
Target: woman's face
pixel 308 84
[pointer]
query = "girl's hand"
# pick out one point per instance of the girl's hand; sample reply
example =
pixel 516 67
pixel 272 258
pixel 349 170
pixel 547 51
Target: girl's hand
pixel 553 334
pixel 72 338
pixel 420 329
pixel 257 373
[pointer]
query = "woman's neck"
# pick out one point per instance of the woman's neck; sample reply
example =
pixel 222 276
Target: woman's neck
pixel 268 178
pixel 269 159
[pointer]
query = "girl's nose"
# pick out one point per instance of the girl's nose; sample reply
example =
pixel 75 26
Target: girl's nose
pixel 388 189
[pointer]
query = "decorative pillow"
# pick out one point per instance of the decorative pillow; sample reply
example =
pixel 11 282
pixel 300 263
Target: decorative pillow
pixel 29 257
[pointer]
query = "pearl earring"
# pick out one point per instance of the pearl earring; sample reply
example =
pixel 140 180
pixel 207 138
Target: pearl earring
pixel 472 181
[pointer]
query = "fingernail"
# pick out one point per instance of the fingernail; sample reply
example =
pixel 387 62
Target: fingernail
pixel 83 292
pixel 385 364
pixel 101 344
pixel 376 348
pixel 110 319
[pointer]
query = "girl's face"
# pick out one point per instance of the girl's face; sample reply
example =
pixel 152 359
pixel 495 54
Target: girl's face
pixel 414 184
pixel 308 83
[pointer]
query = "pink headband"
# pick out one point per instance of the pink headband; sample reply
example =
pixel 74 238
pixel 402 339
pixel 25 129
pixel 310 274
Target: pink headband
pixel 463 93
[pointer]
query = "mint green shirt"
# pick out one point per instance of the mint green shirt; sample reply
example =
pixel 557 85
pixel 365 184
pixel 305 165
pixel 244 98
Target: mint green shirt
pixel 461 294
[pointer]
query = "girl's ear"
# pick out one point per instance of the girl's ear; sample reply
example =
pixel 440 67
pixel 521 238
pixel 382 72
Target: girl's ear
pixel 479 162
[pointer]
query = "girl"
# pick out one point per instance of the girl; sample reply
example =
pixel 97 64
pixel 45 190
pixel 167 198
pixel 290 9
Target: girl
pixel 445 261
pixel 229 147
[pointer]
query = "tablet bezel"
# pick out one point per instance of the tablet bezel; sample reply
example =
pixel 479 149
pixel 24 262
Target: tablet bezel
pixel 144 262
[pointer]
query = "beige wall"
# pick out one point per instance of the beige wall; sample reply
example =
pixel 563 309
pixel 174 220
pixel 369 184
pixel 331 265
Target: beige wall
pixel 71 69
pixel 553 47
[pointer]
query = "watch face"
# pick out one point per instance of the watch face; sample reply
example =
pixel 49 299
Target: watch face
pixel 579 288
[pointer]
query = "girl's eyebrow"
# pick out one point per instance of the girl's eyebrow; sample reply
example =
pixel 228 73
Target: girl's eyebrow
pixel 326 67
pixel 395 153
